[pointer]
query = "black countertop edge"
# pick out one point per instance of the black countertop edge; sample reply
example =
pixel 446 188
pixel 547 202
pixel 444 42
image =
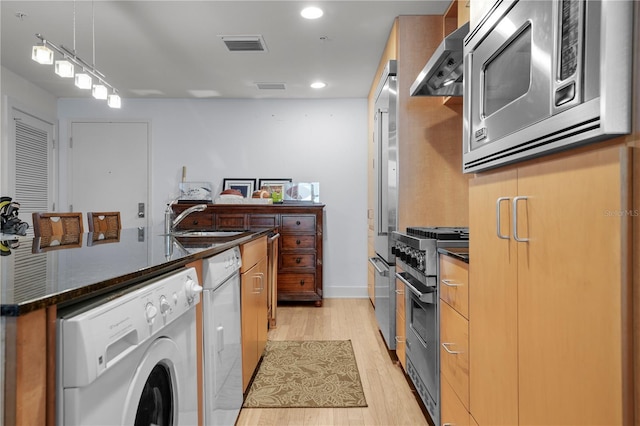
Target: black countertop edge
pixel 456 252
pixel 81 294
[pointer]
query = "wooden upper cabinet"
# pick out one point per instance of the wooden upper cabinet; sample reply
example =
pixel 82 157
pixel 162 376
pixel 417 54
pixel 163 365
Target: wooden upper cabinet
pixel 549 321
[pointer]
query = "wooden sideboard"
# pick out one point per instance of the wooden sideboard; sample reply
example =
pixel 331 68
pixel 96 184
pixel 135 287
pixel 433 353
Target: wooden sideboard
pixel 301 228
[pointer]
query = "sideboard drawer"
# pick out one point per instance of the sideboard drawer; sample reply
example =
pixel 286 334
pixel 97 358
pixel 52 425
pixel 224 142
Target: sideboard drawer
pixel 295 242
pixel 296 283
pixel 297 260
pixel 298 223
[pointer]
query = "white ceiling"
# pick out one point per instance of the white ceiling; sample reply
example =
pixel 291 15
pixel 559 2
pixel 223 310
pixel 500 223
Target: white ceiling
pixel 172 49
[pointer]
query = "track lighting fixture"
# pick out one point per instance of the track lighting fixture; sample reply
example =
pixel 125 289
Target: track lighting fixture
pixel 87 77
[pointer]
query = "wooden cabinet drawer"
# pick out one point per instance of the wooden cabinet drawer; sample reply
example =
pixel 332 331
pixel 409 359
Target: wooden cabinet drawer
pixel 297 260
pixel 197 220
pixel 454 351
pixel 454 284
pixel 231 221
pixel 294 242
pixel 263 221
pixel 453 412
pixel 298 223
pixel 296 283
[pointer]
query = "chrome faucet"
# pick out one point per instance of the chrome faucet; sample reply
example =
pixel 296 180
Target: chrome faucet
pixel 170 223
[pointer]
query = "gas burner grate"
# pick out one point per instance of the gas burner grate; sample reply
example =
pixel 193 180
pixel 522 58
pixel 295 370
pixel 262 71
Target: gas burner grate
pixel 439 232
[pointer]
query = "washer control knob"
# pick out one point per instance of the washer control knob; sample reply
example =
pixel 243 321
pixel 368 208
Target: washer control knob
pixel 164 305
pixel 191 289
pixel 150 312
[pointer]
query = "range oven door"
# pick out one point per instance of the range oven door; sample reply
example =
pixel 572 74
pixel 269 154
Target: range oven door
pixel 422 341
pixel 385 299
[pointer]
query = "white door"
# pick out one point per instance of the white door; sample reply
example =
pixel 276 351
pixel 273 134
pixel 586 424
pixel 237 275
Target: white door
pixel 31 165
pixel 109 169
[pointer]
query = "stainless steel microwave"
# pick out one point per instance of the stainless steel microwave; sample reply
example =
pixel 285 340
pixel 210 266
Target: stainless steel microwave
pixel 545 75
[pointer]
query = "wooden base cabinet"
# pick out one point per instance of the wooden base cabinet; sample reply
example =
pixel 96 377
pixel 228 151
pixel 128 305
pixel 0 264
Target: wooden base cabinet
pixel 253 296
pixel 454 341
pixel 549 329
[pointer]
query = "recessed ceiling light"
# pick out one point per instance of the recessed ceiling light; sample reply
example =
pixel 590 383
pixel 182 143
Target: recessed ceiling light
pixel 311 12
pixel 318 85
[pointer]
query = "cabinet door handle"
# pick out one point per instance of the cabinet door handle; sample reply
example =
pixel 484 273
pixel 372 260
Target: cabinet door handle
pixel 446 348
pixel 515 220
pixel 498 202
pixel 399 292
pixel 450 283
pixel 399 339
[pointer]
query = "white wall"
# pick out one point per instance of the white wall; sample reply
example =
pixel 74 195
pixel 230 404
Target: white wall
pixel 307 140
pixel 16 92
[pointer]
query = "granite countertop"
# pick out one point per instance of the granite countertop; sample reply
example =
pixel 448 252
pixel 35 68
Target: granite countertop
pixel 461 253
pixel 33 278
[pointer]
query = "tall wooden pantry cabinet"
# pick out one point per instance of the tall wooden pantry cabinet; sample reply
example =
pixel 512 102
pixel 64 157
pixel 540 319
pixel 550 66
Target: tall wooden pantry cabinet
pixel 550 294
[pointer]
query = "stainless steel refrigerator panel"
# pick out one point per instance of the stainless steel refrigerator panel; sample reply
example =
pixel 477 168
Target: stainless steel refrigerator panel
pixel 386 162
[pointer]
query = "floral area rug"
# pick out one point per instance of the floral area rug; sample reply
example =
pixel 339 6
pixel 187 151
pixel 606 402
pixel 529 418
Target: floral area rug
pixel 307 374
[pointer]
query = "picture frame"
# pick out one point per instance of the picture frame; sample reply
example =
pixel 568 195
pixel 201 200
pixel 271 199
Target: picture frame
pixel 275 187
pixel 246 186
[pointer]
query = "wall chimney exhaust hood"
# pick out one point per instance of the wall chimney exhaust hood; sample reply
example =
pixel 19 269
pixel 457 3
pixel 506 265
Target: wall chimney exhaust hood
pixel 442 76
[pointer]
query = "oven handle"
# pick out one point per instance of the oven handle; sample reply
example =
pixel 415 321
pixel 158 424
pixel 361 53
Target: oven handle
pixel 414 290
pixel 374 261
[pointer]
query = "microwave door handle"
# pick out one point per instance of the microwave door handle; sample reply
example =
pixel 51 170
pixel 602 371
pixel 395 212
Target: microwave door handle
pixel 498 216
pixel 466 100
pixel 374 261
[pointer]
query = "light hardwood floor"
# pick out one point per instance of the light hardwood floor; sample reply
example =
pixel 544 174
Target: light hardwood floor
pixel 389 397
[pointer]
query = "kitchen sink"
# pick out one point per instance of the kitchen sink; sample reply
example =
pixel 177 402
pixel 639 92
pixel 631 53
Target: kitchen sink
pixel 210 234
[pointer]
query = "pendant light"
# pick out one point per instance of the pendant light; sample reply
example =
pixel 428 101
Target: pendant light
pixel 87 74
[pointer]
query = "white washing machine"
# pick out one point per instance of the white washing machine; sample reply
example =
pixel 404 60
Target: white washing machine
pixel 222 345
pixel 131 359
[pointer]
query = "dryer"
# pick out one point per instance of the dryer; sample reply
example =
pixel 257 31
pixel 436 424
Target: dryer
pixel 131 358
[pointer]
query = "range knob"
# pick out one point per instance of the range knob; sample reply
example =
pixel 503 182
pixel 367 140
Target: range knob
pixel 414 258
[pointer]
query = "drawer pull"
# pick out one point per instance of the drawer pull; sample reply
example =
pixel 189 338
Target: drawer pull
pixel 298 242
pixel 297 222
pixel 298 260
pixel 450 283
pixel 195 222
pixel 301 282
pixel 446 348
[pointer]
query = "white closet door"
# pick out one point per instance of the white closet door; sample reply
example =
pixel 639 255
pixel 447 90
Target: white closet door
pixel 109 169
pixel 31 165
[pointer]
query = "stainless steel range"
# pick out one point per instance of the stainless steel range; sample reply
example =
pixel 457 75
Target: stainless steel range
pixel 417 263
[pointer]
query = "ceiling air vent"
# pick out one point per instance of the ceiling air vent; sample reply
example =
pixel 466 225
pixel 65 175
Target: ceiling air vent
pixel 250 43
pixel 271 86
